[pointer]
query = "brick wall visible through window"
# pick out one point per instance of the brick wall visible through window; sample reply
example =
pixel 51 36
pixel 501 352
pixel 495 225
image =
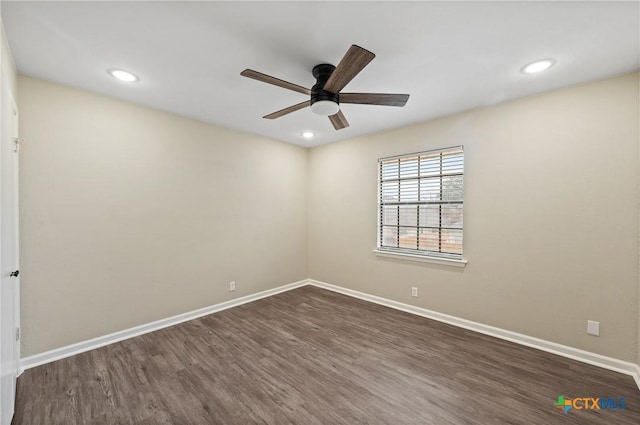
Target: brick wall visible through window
pixel 420 203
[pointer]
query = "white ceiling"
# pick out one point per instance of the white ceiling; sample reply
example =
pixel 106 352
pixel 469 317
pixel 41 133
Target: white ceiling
pixel 450 56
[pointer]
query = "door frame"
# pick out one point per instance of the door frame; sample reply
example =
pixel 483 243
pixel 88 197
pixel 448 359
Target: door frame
pixel 15 140
pixel 9 142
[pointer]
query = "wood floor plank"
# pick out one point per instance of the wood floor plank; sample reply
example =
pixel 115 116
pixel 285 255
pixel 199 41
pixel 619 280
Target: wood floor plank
pixel 314 357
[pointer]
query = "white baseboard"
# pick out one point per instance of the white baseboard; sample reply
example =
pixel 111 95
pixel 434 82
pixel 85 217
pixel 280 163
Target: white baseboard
pixel 91 344
pixel 594 359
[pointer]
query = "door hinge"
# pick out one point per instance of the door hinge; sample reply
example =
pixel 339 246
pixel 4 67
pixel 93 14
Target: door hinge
pixel 16 144
pixel 17 334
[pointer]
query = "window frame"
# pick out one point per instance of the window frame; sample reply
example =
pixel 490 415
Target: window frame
pixel 417 254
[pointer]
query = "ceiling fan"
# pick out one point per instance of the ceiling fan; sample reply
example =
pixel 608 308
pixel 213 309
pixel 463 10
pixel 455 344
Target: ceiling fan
pixel 325 96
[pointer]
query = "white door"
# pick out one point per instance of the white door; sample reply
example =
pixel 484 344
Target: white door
pixel 9 260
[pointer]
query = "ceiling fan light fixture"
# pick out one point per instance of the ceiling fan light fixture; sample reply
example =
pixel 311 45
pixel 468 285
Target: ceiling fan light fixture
pixel 325 107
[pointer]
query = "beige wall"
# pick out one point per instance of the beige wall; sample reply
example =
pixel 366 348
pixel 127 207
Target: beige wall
pixel 551 216
pixel 130 215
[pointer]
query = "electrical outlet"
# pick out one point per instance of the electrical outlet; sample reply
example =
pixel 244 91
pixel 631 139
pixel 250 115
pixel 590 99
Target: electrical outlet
pixel 232 286
pixel 414 291
pixel 593 328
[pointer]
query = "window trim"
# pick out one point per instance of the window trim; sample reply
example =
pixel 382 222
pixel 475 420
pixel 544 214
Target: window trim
pixel 445 261
pixel 454 260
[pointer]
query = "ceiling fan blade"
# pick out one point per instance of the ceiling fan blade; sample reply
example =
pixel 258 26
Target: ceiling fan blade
pixel 288 110
pixel 351 64
pixel 250 73
pixel 384 99
pixel 339 121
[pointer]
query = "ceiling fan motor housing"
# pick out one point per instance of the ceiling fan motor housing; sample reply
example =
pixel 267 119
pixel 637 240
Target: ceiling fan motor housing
pixel 322 73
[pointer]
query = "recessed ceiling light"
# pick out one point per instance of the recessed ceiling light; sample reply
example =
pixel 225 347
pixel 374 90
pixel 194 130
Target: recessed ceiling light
pixel 538 66
pixel 123 75
pixel 308 134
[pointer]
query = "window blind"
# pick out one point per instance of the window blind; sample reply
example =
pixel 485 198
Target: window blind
pixel 421 203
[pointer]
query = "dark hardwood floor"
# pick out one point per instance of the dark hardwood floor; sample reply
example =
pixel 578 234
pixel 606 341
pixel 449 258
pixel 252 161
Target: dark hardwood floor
pixel 311 356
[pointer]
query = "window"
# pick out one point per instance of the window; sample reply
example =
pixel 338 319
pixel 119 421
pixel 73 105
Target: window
pixel 420 203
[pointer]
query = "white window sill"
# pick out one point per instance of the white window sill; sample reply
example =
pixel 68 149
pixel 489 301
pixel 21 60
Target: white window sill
pixel 422 258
